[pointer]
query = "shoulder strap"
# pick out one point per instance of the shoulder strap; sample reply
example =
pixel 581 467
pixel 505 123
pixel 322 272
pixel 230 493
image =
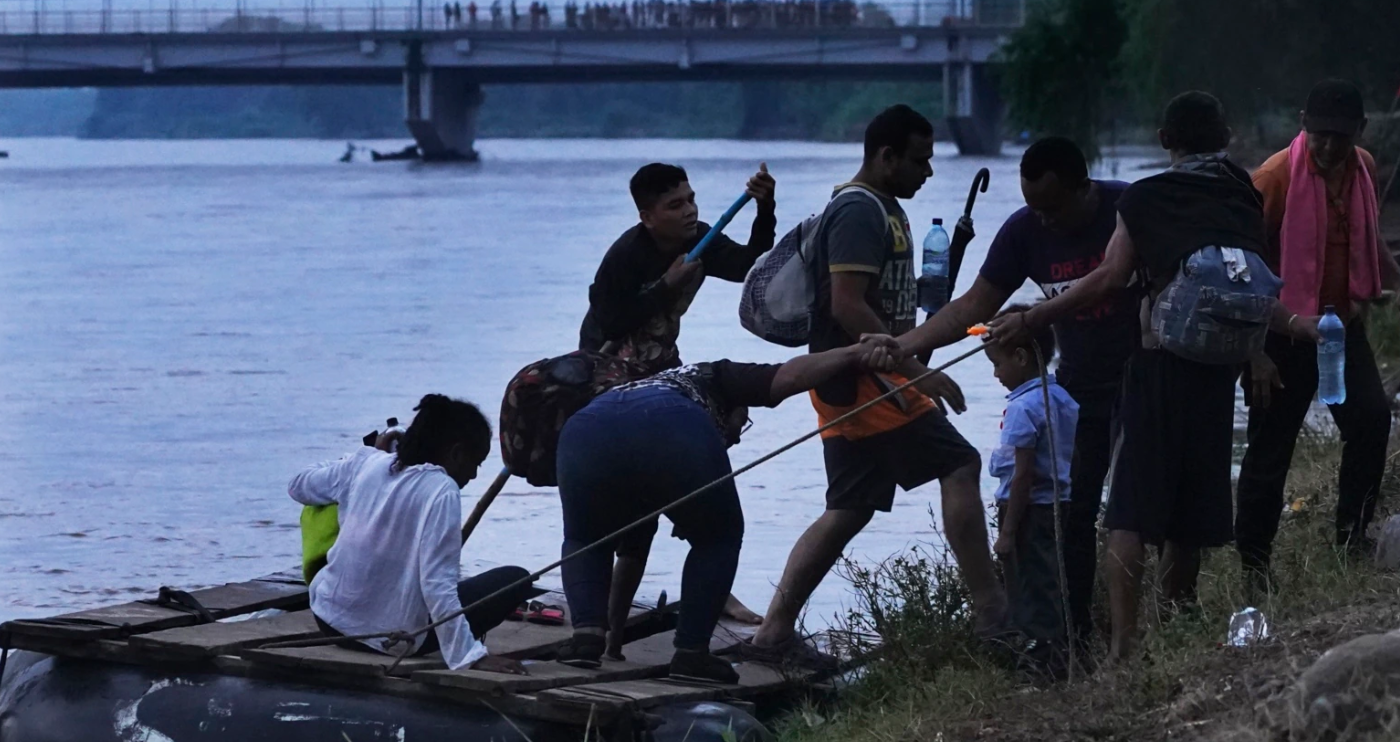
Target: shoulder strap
pixel 884 213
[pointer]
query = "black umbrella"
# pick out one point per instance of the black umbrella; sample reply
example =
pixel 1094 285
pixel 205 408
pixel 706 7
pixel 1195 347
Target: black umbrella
pixel 963 233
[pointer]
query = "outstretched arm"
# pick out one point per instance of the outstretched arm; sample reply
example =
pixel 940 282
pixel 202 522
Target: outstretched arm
pixel 949 324
pixel 873 352
pixel 1119 261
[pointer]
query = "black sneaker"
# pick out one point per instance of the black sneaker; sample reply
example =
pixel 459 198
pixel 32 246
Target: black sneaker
pixel 583 650
pixel 701 666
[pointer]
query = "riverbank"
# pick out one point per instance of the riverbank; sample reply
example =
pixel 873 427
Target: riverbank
pixel 1188 686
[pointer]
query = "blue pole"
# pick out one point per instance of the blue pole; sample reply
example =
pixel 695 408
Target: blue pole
pixel 719 226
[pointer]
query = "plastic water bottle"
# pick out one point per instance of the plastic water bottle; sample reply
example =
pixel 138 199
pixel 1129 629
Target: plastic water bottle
pixel 1248 627
pixel 392 426
pixel 933 280
pixel 1331 359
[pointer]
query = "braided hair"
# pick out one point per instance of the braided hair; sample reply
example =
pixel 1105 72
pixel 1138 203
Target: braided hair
pixel 441 423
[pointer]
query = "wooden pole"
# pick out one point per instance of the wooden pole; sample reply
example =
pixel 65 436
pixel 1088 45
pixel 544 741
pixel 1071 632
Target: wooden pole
pixel 485 502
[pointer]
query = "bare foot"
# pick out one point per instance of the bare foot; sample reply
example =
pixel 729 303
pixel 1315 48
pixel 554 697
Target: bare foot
pixel 740 612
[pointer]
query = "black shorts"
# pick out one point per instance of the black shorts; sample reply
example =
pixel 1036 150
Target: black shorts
pixel 862 474
pixel 1171 469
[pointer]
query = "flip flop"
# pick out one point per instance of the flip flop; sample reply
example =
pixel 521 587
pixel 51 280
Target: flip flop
pixel 547 615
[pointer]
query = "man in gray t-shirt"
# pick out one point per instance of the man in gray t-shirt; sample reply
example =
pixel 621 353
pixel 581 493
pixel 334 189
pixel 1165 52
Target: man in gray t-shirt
pixel 866 286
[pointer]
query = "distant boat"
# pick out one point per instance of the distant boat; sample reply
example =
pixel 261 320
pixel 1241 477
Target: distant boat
pixel 407 153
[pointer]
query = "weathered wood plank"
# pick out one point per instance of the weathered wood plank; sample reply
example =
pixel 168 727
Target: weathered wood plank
pixel 109 622
pixel 338 659
pixel 238 598
pixel 649 657
pixel 631 694
pixel 189 643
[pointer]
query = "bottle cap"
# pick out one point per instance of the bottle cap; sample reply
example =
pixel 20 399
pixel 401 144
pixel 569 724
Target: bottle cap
pixel 392 422
pixel 1329 309
pixel 938 221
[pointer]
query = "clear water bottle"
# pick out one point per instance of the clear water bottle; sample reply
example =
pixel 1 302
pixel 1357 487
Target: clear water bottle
pixel 1248 627
pixel 392 426
pixel 933 280
pixel 1331 359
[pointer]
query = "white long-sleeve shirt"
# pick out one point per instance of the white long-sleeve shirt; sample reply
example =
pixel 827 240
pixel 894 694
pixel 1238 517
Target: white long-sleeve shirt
pixel 394 566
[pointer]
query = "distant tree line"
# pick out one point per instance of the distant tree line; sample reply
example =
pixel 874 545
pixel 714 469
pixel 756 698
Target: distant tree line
pixel 1080 67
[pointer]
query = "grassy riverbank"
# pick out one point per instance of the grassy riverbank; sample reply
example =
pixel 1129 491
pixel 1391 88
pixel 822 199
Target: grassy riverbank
pixel 934 685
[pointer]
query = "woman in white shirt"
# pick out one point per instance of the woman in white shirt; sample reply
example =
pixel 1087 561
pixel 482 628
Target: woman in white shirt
pixel 395 565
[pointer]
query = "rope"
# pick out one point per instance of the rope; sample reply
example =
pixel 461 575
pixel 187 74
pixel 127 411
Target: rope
pixel 399 636
pixel 1059 525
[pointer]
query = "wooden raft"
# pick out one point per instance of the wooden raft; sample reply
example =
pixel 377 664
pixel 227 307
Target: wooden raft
pixel 181 638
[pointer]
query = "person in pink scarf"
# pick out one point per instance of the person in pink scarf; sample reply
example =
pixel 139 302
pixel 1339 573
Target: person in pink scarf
pixel 1321 213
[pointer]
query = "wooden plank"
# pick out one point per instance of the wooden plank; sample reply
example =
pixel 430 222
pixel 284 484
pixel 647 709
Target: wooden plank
pixel 523 640
pixel 110 622
pixel 189 643
pixel 649 657
pixel 631 694
pixel 341 660
pixel 238 598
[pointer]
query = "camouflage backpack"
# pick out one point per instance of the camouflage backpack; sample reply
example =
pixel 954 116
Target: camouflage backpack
pixel 542 397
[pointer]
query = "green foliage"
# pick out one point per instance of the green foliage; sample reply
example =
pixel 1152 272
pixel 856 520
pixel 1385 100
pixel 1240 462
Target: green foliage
pixel 1061 69
pixel 1077 61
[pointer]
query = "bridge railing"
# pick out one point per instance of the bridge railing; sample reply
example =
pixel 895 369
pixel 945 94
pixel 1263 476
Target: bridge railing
pixel 188 16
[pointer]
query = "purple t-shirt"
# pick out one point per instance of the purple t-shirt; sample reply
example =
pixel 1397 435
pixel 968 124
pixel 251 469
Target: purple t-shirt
pixel 1096 343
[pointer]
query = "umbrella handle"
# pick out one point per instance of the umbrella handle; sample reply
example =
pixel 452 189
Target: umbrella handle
pixel 979 182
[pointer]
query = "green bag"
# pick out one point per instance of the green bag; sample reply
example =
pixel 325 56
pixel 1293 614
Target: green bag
pixel 320 524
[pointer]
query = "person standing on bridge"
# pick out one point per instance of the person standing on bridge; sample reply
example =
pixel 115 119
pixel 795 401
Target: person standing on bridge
pixel 644 284
pixel 1055 240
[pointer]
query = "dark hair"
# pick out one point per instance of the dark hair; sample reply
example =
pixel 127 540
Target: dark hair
pixel 1056 155
pixel 893 128
pixel 1045 337
pixel 441 423
pixel 652 181
pixel 1194 123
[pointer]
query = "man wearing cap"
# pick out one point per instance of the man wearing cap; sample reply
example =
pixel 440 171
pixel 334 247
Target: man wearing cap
pixel 1321 215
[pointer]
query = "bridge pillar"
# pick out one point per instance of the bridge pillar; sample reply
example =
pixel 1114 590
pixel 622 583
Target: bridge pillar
pixel 440 108
pixel 974 108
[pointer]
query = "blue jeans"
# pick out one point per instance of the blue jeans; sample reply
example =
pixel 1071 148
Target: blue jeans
pixel 629 453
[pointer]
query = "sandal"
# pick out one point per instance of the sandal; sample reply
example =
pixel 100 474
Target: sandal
pixel 548 615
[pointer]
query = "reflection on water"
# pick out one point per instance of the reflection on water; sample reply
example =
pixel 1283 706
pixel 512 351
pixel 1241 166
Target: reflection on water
pixel 183 325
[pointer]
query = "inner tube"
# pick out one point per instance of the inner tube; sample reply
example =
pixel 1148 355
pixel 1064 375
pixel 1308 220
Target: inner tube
pixel 56 699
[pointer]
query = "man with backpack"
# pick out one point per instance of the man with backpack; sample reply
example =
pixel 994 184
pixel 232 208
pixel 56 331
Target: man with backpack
pixel 865 285
pixel 1199 221
pixel 644 284
pixel 1322 217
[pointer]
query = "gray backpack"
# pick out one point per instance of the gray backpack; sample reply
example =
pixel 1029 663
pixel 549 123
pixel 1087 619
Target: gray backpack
pixel 776 303
pixel 1217 308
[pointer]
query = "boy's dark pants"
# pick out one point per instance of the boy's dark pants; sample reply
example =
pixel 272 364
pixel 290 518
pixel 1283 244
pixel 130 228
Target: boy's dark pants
pixel 1032 575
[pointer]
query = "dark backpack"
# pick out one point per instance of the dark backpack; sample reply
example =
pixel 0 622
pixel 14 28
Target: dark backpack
pixel 543 396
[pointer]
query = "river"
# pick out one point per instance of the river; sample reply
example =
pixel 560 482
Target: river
pixel 186 324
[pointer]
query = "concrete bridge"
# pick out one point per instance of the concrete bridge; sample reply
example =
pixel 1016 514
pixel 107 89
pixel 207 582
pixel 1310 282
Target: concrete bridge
pixel 441 60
